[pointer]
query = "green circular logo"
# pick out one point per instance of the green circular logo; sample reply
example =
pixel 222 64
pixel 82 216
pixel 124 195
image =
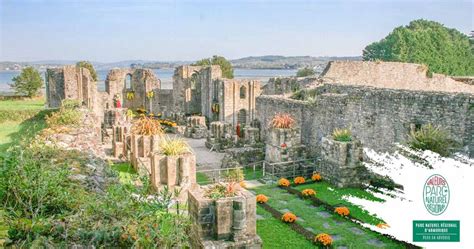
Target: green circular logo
pixel 436 194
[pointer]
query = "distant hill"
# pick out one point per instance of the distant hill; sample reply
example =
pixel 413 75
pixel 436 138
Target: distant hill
pixel 252 62
pixel 285 62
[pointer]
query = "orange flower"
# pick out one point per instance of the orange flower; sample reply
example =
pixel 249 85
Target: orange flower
pixel 242 184
pixel 299 180
pixel 383 225
pixel 316 177
pixel 262 198
pixel 288 217
pixel 342 211
pixel 283 182
pixel 323 238
pixel 308 192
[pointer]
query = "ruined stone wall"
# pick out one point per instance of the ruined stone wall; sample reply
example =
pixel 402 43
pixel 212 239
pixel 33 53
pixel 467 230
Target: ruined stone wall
pixel 70 82
pixel 286 85
pixel 237 101
pixel 164 101
pixel 378 117
pixel 394 75
pixel 142 81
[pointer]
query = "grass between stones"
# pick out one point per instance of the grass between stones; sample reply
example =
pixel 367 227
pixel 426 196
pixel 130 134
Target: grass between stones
pixel 318 220
pixel 126 173
pixel 276 234
pixel 334 196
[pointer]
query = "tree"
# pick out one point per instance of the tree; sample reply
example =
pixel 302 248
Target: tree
pixel 444 50
pixel 226 67
pixel 88 66
pixel 28 82
pixel 307 71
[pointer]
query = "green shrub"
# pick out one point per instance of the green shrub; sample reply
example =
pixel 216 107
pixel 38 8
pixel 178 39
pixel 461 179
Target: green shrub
pixel 430 137
pixel 342 135
pixel 174 146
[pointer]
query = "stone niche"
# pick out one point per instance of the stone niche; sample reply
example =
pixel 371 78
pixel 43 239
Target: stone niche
pixel 141 147
pixel 341 163
pixel 224 223
pixel 283 145
pixel 174 172
pixel 221 136
pixel 196 127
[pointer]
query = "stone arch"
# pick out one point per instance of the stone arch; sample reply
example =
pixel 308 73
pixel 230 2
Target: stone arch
pixel 243 92
pixel 242 117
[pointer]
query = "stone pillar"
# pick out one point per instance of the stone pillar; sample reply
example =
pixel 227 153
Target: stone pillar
pixel 281 144
pixel 173 172
pixel 224 223
pixel 220 135
pixel 141 147
pixel 342 162
pixel 118 140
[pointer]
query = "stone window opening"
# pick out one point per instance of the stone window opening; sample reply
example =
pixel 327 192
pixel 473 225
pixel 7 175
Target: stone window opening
pixel 242 117
pixel 243 92
pixel 128 82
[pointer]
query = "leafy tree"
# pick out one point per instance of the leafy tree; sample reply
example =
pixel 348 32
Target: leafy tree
pixel 226 67
pixel 28 82
pixel 307 71
pixel 444 50
pixel 88 66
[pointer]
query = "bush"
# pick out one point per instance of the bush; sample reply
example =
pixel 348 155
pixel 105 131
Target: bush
pixel 324 239
pixel 147 126
pixel 342 211
pixel 288 217
pixel 430 137
pixel 308 192
pixel 316 177
pixel 282 121
pixel 174 146
pixel 299 180
pixel 283 182
pixel 342 135
pixel 262 198
pixel 304 72
pixel 67 115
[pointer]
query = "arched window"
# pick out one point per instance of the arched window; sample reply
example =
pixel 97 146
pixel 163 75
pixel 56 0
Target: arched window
pixel 243 92
pixel 128 82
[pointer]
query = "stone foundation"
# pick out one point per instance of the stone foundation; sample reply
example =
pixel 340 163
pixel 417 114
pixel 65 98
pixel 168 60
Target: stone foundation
pixel 196 127
pixel 283 145
pixel 342 163
pixel 223 223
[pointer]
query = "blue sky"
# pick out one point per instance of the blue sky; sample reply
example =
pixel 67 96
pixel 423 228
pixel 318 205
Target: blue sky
pixel 113 30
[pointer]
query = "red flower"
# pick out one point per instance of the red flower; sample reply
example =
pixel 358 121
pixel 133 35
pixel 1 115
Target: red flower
pixel 283 145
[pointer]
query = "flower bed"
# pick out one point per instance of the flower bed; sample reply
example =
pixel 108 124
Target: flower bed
pixel 262 198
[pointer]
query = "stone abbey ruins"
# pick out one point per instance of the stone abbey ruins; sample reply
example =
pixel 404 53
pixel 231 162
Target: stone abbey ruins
pixel 380 102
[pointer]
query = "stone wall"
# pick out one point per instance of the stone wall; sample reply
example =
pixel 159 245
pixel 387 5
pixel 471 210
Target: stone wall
pixel 394 75
pixel 378 117
pixel 70 82
pixel 286 85
pixel 141 81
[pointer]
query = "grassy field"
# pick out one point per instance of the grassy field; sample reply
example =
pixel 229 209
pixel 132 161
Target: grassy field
pixel 318 220
pixel 20 119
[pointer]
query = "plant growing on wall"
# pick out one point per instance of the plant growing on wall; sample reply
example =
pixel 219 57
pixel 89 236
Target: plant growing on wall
pixel 146 126
pixel 233 177
pixel 150 94
pixel 174 146
pixel 283 121
pixel 342 135
pixel 130 95
pixel 430 137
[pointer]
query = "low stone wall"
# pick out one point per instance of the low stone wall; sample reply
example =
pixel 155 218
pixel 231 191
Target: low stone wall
pixel 223 223
pixel 282 145
pixel 341 163
pixel 119 134
pixel 221 136
pixel 243 156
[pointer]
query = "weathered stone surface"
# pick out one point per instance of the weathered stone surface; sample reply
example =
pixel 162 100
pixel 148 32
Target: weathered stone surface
pixel 223 223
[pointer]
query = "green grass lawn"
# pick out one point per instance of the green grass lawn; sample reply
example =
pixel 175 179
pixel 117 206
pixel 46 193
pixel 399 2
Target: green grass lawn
pixel 276 234
pixel 20 119
pixel 312 218
pixel 334 196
